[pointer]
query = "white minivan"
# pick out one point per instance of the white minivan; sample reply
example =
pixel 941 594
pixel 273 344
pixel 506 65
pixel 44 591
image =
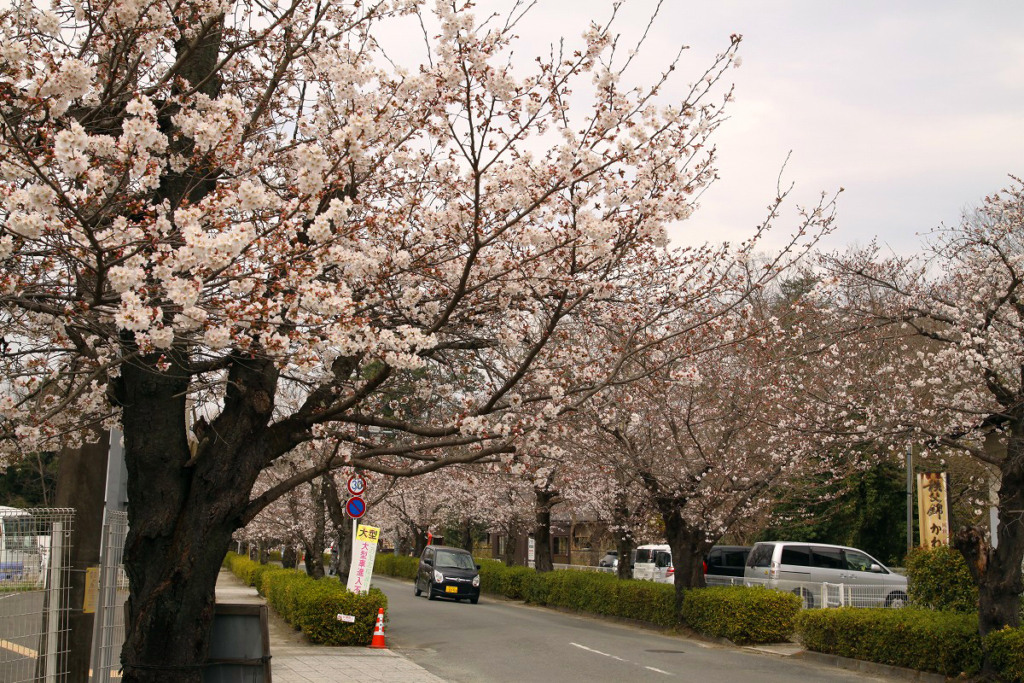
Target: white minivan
pixel 825 575
pixel 654 563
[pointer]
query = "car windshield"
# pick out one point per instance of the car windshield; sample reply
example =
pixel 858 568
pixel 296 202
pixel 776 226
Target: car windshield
pixel 446 558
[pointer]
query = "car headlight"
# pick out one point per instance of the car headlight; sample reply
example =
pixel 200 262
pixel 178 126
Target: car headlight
pixel 438 577
pixel 476 581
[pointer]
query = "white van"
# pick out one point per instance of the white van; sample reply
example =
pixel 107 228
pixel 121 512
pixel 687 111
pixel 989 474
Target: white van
pixel 826 575
pixel 654 563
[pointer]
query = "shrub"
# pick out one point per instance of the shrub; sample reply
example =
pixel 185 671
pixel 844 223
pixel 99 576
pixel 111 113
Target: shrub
pixel 939 579
pixel 1006 653
pixel 927 640
pixel 743 615
pixel 312 605
pixel 396 565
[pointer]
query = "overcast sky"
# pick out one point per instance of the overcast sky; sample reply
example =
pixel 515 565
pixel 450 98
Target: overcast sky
pixel 915 108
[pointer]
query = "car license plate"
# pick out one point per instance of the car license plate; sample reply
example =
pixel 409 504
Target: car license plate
pixel 451 589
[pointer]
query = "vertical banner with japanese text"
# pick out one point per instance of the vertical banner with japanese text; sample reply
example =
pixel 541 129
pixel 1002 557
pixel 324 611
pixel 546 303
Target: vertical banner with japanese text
pixel 933 509
pixel 364 549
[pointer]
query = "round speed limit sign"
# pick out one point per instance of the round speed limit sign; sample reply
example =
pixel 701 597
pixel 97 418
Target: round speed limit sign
pixel 356 485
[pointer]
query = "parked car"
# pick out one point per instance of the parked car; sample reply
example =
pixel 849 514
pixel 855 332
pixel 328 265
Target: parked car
pixel 654 563
pixel 853 577
pixel 726 560
pixel 448 573
pixel 610 559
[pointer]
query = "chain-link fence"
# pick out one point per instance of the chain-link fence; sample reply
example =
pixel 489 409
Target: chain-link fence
pixel 108 629
pixel 35 547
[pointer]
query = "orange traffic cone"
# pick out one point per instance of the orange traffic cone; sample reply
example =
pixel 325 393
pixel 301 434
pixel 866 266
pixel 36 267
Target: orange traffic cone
pixel 378 633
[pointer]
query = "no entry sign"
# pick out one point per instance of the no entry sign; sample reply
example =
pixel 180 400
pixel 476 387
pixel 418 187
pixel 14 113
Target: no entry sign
pixel 355 507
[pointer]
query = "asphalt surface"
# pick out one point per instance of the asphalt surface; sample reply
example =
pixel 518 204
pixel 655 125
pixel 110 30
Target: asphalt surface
pixel 497 641
pixel 21 624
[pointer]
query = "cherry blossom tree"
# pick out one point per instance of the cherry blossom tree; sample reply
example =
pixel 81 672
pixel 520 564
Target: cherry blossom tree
pixel 704 441
pixel 248 209
pixel 929 350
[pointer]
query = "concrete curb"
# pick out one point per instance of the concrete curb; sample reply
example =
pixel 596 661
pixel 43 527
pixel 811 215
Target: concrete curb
pixel 871 667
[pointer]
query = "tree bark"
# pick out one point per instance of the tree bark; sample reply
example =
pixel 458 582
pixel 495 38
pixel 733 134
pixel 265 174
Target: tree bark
pixel 689 547
pixel 543 559
pixel 510 547
pixel 289 558
pixel 466 542
pixel 997 571
pixel 341 561
pixel 421 541
pixel 314 546
pixel 623 539
pixel 183 511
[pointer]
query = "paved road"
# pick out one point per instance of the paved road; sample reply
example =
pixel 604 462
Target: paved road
pixel 20 626
pixel 499 641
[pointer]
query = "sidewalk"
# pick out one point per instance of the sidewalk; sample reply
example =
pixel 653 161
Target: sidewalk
pixel 294 660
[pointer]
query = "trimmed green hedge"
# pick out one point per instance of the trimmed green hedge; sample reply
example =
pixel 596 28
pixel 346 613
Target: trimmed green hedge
pixel 604 594
pixel 311 605
pixel 939 579
pixel 944 642
pixel 743 615
pixel 396 565
pixel 1006 652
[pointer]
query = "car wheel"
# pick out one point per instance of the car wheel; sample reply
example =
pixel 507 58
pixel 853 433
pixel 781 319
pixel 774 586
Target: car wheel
pixel 896 600
pixel 416 585
pixel 475 600
pixel 430 591
pixel 806 596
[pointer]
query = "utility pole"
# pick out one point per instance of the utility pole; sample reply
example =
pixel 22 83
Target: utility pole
pixel 910 498
pixel 80 479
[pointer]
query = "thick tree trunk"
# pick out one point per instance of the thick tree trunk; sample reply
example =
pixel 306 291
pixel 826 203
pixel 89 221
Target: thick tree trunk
pixel 341 561
pixel 466 542
pixel 421 541
pixel 314 560
pixel 689 547
pixel 510 548
pixel 315 546
pixel 997 571
pixel 183 511
pixel 623 539
pixel 543 559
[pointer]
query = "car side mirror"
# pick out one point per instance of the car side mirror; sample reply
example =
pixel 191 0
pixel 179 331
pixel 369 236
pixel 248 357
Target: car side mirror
pixel 429 563
pixel 876 568
pixel 478 567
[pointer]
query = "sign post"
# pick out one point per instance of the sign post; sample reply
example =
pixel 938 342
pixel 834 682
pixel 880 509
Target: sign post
pixel 364 549
pixel 356 508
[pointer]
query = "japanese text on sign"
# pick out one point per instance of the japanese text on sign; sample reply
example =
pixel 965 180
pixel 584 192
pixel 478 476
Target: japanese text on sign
pixel 933 509
pixel 364 549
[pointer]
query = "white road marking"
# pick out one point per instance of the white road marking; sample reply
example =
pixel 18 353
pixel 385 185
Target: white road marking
pixel 20 649
pixel 651 668
pixel 598 652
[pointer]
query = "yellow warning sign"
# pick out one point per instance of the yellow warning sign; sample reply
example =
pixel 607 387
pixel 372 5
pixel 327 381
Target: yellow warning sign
pixel 92 589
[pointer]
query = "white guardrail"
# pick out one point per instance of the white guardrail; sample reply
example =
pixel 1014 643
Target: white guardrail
pixel 813 594
pixel 826 594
